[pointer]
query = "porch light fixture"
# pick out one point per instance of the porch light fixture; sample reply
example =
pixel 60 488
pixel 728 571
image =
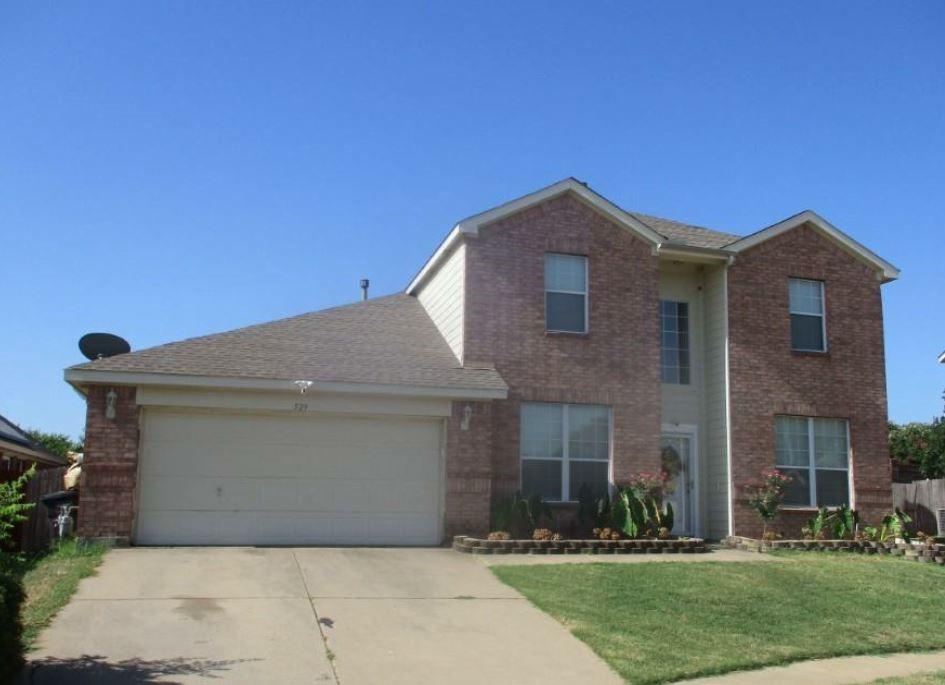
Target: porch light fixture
pixel 111 404
pixel 467 417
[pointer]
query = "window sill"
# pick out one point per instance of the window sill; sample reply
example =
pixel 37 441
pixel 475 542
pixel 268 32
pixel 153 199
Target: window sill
pixel 800 509
pixel 810 353
pixel 567 334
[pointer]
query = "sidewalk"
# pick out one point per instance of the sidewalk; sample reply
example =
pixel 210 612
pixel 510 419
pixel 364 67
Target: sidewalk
pixel 840 671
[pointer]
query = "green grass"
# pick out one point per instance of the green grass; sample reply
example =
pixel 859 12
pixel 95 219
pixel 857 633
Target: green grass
pixel 51 579
pixel 934 678
pixel 657 622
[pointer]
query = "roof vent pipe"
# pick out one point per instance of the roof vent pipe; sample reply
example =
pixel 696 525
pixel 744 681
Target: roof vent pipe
pixel 364 286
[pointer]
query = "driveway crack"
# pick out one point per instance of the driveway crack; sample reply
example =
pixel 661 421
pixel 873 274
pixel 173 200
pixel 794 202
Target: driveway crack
pixel 318 622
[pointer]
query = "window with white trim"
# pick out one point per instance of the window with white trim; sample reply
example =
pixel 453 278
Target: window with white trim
pixel 808 326
pixel 565 293
pixel 815 453
pixel 674 342
pixel 564 447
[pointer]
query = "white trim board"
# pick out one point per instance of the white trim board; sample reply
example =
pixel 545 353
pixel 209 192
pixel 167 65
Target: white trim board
pixel 77 377
pixel 311 402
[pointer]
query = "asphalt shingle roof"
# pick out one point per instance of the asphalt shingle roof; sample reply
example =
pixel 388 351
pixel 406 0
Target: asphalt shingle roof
pixel 389 340
pixel 693 236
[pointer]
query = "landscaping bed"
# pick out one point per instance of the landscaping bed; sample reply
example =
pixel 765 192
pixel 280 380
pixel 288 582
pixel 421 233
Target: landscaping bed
pixel 470 545
pixel 928 552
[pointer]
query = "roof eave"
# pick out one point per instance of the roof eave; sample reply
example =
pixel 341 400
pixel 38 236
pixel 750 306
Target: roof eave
pixel 694 253
pixel 31 452
pixel 79 378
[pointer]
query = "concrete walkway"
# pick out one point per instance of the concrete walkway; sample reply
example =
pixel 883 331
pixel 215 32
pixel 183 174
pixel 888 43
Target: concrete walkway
pixel 724 555
pixel 839 671
pixel 314 615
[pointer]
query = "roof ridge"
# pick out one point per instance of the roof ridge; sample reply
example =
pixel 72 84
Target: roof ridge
pixel 643 216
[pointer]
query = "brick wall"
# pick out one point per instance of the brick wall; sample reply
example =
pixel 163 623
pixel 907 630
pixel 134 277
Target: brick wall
pixel 109 472
pixel 615 364
pixel 468 470
pixel 767 378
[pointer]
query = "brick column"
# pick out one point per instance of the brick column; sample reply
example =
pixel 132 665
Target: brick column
pixel 110 469
pixel 468 470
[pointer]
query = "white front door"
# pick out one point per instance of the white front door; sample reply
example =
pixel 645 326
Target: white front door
pixel 678 459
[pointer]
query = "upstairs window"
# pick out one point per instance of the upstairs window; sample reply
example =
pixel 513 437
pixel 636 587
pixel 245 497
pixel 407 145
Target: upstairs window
pixel 808 329
pixel 674 342
pixel 565 293
pixel 815 453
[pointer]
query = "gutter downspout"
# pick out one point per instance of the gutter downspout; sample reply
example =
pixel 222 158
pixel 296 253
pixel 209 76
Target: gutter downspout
pixel 728 400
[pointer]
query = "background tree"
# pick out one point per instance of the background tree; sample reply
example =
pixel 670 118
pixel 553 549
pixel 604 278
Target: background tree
pixel 57 443
pixel 921 445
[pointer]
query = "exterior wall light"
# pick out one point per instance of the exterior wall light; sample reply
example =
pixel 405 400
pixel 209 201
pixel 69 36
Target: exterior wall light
pixel 467 417
pixel 111 404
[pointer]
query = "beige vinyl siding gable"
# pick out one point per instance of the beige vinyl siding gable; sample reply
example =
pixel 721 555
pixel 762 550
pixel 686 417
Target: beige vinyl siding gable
pixel 443 297
pixel 684 404
pixel 716 440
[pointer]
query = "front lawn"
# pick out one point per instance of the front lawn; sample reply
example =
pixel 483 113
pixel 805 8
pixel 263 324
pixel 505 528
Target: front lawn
pixel 50 580
pixel 657 622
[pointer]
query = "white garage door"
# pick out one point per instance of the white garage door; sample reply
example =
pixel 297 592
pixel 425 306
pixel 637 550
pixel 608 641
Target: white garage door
pixel 244 479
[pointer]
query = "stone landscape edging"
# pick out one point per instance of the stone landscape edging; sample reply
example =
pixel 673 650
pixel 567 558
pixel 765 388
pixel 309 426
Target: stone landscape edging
pixel 470 545
pixel 917 551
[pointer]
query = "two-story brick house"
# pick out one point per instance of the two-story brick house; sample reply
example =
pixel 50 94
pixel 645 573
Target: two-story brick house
pixel 552 344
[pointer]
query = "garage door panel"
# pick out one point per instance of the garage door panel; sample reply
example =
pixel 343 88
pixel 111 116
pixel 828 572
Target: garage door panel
pixel 272 528
pixel 268 479
pixel 319 461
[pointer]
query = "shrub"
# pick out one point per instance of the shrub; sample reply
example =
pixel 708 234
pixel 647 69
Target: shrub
pixel 638 515
pixel 766 497
pixel 520 516
pixel 499 535
pixel 11 628
pixel 12 508
pixel 839 524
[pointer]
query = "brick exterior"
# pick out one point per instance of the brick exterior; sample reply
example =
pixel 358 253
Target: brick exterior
pixel 468 470
pixel 615 364
pixel 767 378
pixel 109 472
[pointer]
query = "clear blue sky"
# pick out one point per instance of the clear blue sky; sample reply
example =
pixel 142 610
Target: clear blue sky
pixel 172 169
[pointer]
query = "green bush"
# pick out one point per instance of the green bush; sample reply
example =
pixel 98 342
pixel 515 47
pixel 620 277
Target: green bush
pixel 11 628
pixel 920 444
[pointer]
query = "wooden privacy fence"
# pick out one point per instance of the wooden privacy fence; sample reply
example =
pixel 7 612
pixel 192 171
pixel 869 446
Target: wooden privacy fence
pixel 921 499
pixel 36 531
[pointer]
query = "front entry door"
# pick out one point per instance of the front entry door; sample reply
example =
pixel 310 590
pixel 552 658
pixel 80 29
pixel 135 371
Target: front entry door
pixel 677 450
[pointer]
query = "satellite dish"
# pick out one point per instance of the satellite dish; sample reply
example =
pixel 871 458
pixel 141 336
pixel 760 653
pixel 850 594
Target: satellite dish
pixel 99 345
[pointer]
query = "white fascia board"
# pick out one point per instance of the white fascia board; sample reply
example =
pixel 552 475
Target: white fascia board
pixel 434 261
pixel 471 225
pixel 691 253
pixel 77 377
pixel 889 272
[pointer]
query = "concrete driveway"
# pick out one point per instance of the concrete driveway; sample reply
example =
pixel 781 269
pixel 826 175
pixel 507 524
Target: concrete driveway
pixel 323 615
